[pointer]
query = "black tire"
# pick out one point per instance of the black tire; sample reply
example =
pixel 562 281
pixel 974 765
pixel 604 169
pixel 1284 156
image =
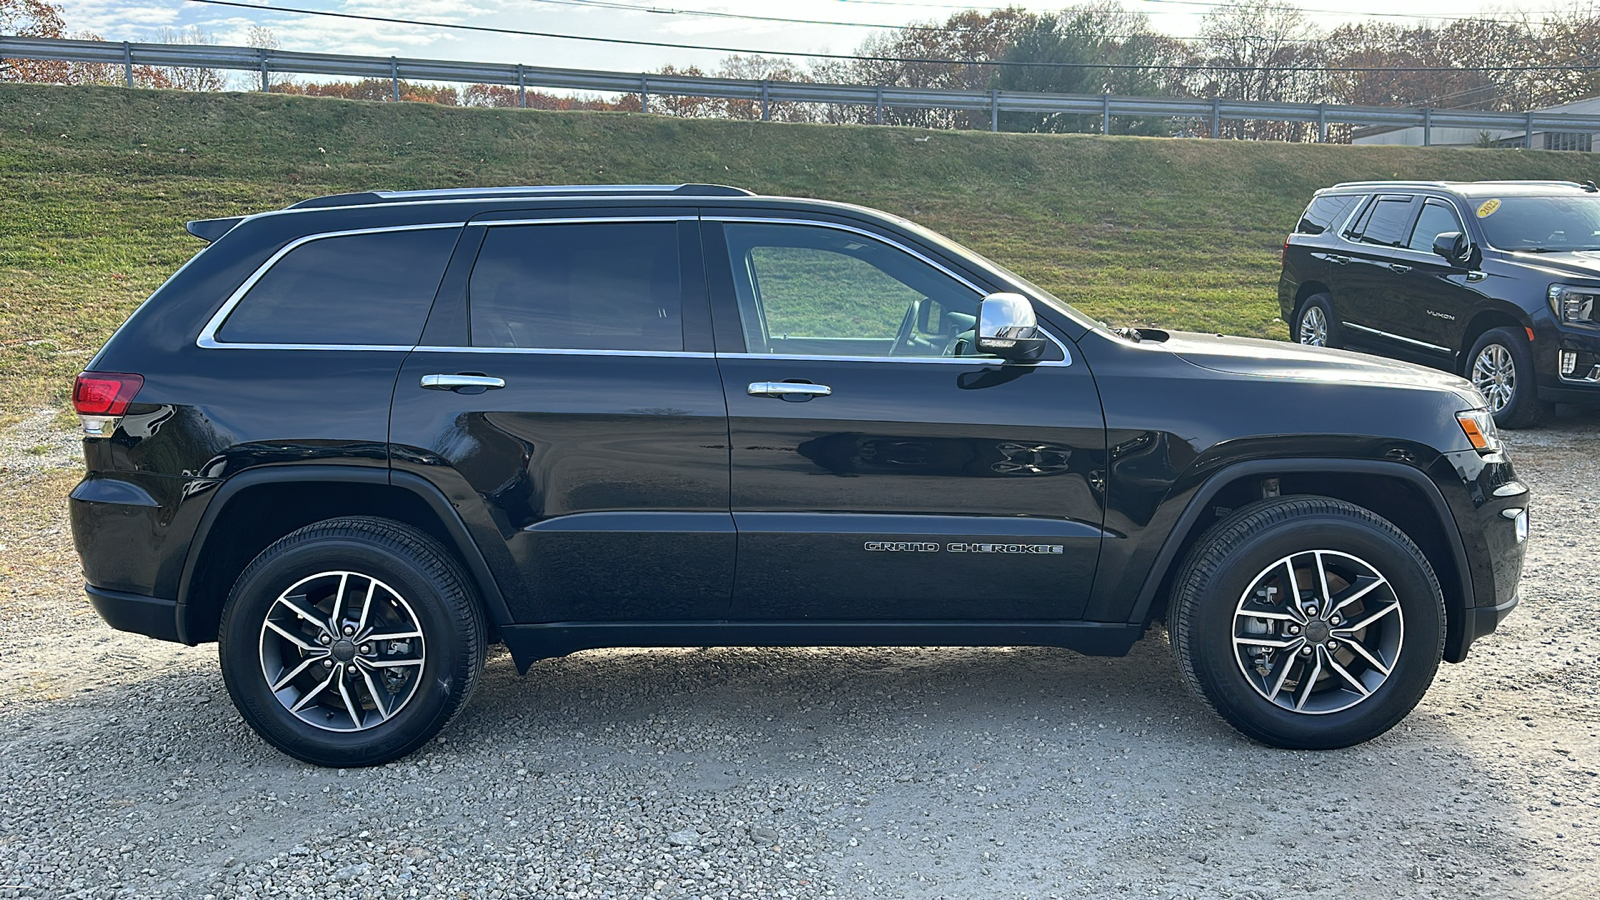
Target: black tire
pixel 401 690
pixel 1303 329
pixel 1500 365
pixel 1212 631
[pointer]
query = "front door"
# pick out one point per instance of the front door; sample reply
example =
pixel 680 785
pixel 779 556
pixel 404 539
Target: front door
pixel 566 400
pixel 881 468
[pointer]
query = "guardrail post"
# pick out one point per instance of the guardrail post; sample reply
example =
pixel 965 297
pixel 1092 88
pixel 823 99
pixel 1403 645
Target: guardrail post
pixel 127 62
pixel 1527 139
pixel 394 77
pixel 261 52
pixel 1322 123
pixel 880 104
pixel 1427 126
pixel 766 104
pixel 1105 113
pixel 994 111
pixel 1216 117
pixel 644 93
pixel 522 87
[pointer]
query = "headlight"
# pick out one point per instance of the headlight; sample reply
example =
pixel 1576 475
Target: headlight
pixel 1478 426
pixel 1573 305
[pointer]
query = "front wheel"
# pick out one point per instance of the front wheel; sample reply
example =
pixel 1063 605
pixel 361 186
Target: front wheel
pixel 1308 623
pixel 1500 366
pixel 351 642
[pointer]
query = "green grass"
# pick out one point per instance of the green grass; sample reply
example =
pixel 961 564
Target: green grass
pixel 95 184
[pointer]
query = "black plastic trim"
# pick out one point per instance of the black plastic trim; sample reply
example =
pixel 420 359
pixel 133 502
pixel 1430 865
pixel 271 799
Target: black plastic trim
pixel 1227 475
pixel 477 567
pixel 530 643
pixel 137 613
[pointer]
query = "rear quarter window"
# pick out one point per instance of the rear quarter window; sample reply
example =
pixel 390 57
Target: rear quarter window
pixel 1325 212
pixel 357 289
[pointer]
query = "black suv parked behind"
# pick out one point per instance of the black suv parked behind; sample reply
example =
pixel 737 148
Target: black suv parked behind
pixel 1494 280
pixel 356 440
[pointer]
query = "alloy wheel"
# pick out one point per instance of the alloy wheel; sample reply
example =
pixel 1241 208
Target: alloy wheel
pixel 342 651
pixel 1494 374
pixel 1318 632
pixel 1314 327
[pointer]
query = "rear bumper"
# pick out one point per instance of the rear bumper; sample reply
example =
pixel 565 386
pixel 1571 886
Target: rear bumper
pixel 137 613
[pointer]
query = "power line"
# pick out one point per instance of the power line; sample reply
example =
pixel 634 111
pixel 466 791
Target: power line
pixel 1200 3
pixel 994 63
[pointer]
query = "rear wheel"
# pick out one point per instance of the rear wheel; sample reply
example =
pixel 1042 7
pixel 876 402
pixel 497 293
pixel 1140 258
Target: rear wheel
pixel 1308 623
pixel 351 642
pixel 1500 366
pixel 1313 324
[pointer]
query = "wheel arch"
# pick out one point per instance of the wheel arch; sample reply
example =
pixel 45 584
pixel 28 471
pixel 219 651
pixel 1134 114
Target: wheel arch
pixel 1400 493
pixel 256 507
pixel 1308 289
pixel 1481 322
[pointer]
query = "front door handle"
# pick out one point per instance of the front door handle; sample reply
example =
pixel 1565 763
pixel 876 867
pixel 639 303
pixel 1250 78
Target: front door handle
pixel 462 382
pixel 1396 267
pixel 785 390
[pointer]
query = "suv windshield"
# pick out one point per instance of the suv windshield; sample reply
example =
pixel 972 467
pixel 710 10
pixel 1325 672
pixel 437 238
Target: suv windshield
pixel 1541 224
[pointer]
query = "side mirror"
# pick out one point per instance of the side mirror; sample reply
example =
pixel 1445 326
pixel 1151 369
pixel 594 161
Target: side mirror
pixel 1451 245
pixel 1007 328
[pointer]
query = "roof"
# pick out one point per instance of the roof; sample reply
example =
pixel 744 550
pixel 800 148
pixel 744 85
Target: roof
pixel 1471 188
pixel 365 198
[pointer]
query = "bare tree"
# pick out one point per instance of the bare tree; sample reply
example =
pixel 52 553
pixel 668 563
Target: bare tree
pixel 191 79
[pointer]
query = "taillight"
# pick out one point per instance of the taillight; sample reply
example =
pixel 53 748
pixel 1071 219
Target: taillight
pixel 1283 258
pixel 101 398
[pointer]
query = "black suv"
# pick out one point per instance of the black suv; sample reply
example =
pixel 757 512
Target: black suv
pixel 1495 280
pixel 358 440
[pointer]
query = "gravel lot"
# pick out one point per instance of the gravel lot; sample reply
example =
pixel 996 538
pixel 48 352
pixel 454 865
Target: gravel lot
pixel 124 770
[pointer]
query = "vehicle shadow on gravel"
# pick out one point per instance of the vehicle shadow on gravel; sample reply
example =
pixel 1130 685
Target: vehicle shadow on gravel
pixel 931 771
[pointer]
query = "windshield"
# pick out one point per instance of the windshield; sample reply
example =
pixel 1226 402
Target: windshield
pixel 1541 224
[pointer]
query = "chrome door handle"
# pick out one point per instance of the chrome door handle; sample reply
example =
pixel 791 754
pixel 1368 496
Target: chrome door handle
pixel 784 389
pixel 1396 267
pixel 1341 260
pixel 457 382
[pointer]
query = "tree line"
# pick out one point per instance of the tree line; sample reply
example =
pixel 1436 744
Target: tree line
pixel 1245 50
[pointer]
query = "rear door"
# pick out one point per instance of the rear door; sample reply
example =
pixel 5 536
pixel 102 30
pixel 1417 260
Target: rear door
pixel 881 468
pixel 1367 289
pixel 567 401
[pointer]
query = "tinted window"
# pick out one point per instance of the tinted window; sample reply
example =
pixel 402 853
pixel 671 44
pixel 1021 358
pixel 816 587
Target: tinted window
pixel 1540 223
pixel 588 286
pixel 1385 222
pixel 1436 219
pixel 1325 212
pixel 356 289
pixel 808 289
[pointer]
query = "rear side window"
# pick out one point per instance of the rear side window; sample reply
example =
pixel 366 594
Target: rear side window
pixel 361 289
pixel 583 286
pixel 1325 212
pixel 1386 222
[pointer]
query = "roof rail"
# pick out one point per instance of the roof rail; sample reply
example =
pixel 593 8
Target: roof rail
pixel 365 198
pixel 1454 184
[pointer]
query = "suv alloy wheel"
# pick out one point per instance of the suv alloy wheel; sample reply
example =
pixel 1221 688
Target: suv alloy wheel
pixel 1500 366
pixel 1314 325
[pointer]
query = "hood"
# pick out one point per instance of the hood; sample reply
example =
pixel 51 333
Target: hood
pixel 1565 263
pixel 1282 360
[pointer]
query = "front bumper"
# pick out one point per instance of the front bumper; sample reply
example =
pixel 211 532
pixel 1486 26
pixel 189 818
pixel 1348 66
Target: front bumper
pixel 1485 507
pixel 1580 350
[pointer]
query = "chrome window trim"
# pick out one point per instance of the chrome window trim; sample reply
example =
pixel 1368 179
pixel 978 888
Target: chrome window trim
pixel 557 351
pixel 580 220
pixel 1396 337
pixel 1066 355
pixel 208 335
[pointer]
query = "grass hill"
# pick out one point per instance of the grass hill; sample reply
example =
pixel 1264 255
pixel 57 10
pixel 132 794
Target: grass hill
pixel 96 183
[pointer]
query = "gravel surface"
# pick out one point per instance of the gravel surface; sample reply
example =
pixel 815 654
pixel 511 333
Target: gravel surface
pixel 124 770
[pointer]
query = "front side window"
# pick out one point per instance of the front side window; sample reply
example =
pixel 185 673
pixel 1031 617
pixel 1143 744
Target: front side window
pixel 807 289
pixel 1436 219
pixel 358 289
pixel 578 286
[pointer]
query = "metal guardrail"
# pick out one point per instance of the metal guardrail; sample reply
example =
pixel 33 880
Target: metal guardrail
pixel 1106 106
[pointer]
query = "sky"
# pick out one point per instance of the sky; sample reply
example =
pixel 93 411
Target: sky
pixel 650 20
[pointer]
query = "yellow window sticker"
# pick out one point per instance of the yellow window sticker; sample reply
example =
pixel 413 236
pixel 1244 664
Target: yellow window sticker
pixel 1488 208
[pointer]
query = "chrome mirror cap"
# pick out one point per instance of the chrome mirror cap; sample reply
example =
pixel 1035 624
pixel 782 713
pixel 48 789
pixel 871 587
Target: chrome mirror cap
pixel 1008 329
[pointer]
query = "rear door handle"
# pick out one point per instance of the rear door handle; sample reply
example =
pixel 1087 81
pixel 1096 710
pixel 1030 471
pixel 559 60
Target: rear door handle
pixel 1341 260
pixel 1396 267
pixel 459 382
pixel 785 390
